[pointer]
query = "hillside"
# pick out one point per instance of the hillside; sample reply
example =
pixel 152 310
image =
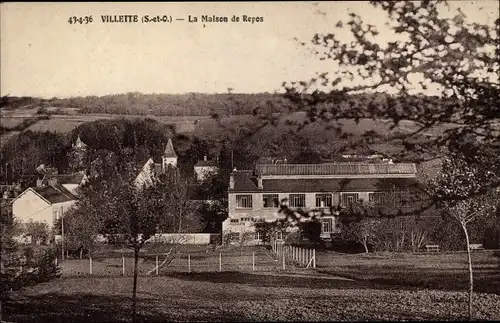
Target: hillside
pixel 236 121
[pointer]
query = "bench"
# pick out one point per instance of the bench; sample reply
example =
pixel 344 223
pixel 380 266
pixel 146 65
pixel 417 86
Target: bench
pixel 476 246
pixel 432 247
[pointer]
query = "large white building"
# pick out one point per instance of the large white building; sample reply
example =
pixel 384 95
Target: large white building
pixel 255 195
pixel 43 204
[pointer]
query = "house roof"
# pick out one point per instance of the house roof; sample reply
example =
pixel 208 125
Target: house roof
pixel 51 194
pixel 242 181
pixel 206 163
pixel 169 149
pixel 336 169
pixel 75 178
pixel 55 194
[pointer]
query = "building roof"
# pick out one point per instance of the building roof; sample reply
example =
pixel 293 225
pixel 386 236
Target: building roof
pixel 334 185
pixel 75 178
pixel 245 182
pixel 169 150
pixel 242 181
pixel 336 169
pixel 55 194
pixel 51 194
pixel 206 163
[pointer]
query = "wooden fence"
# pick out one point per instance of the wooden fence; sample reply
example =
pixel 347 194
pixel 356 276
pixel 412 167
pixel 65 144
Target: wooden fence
pixel 300 257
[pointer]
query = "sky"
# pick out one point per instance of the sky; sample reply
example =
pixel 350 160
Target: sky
pixel 45 56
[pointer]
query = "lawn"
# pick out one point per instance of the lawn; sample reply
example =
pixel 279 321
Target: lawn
pixel 298 295
pixel 109 261
pixel 237 296
pixel 446 271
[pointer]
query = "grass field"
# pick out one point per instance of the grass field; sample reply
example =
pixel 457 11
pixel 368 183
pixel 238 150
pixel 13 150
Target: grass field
pixel 189 259
pixel 297 295
pixel 202 126
pixel 437 271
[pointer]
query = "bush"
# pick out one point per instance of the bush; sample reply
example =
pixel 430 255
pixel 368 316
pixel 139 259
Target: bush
pixel 38 269
pixel 491 239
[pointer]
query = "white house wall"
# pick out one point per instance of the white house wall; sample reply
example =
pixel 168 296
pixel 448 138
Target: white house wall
pixel 31 207
pixel 202 172
pixel 271 214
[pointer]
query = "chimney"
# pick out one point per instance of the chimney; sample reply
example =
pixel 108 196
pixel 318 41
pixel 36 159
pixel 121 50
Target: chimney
pixel 259 182
pixel 231 181
pixel 205 158
pixel 39 183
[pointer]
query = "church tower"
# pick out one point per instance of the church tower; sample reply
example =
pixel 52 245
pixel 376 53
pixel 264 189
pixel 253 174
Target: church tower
pixel 79 144
pixel 169 156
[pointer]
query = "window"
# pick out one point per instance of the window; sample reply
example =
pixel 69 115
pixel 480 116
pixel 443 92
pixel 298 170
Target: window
pixel 246 219
pixel 279 235
pixel 377 197
pixel 56 215
pixel 323 200
pixel 234 236
pixel 271 200
pixel 349 198
pixel 258 235
pixel 235 221
pixel 327 226
pixel 297 200
pixel 244 201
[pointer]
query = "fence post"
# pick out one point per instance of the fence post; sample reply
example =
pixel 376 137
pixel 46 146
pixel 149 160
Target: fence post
pixel 90 265
pixel 253 261
pixel 283 261
pixel 220 262
pixel 123 265
pixel 189 263
pixel 56 261
pixel 314 258
pixel 303 256
pixel 157 270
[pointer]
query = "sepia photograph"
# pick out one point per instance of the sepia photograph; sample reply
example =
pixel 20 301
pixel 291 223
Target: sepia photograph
pixel 250 161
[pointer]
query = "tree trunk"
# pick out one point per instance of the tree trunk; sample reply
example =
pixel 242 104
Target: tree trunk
pixel 365 244
pixel 134 290
pixel 471 281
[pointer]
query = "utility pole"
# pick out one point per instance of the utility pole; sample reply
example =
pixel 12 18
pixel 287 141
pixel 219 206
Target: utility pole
pixel 232 163
pixel 62 234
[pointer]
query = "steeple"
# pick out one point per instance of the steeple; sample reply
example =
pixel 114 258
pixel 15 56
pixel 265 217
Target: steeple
pixel 79 143
pixel 169 156
pixel 169 150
